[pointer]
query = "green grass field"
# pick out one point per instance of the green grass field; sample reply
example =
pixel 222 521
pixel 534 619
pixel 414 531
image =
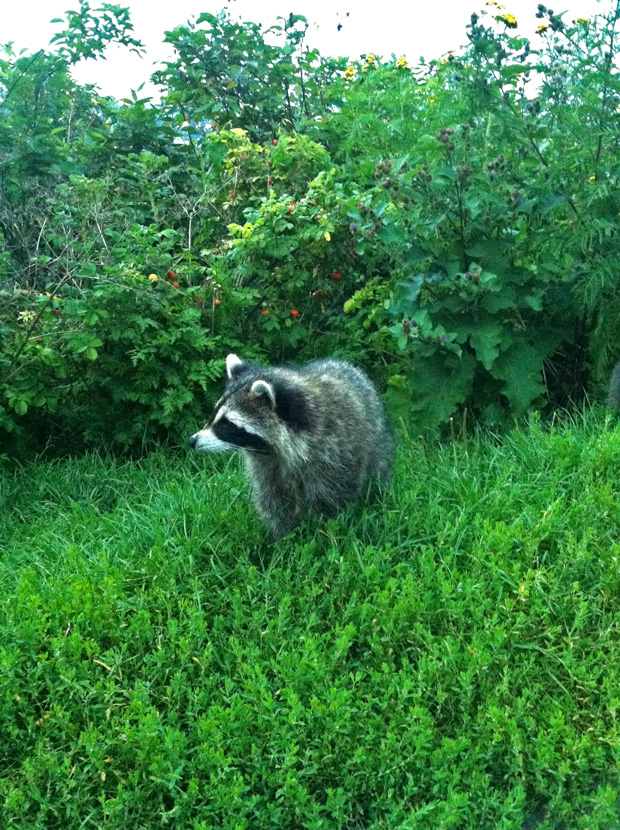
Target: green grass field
pixel 449 658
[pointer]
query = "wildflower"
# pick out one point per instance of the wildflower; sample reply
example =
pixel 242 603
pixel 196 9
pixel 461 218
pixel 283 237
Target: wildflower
pixel 217 302
pixel 27 316
pixel 542 28
pixel 431 100
pixel 371 60
pixel 493 3
pixel 592 178
pixel 509 19
pixel 443 336
pixel 153 277
pixel 336 276
pixel 239 132
pixel 401 63
pixel 264 313
pixel 176 284
pixel 352 227
pixel 349 73
pixel 582 20
pixel 327 236
pixel 291 207
pixel 295 313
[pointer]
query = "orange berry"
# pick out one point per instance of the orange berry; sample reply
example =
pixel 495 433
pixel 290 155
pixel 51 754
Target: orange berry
pixel 217 302
pixel 264 313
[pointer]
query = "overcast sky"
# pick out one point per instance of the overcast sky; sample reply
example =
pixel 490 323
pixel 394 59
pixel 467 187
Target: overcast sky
pixel 411 28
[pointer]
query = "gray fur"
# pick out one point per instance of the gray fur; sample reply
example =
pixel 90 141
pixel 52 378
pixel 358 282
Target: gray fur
pixel 317 437
pixel 613 396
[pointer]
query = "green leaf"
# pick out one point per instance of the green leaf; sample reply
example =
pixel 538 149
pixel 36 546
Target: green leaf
pixel 485 341
pixel 91 354
pixel 520 369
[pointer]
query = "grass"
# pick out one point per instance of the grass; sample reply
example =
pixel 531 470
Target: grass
pixel 449 658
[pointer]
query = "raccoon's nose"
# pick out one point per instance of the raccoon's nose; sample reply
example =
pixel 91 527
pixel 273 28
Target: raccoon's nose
pixel 192 440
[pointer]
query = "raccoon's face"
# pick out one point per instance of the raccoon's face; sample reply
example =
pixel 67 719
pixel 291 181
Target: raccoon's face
pixel 255 413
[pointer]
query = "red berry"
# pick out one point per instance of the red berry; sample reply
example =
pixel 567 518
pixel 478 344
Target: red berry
pixel 264 313
pixel 269 163
pixel 231 192
pixel 275 142
pixel 176 284
pixel 336 276
pixel 270 180
pixel 171 275
pixel 217 302
pixel 295 313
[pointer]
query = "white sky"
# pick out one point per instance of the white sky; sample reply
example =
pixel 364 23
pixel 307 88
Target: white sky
pixel 400 26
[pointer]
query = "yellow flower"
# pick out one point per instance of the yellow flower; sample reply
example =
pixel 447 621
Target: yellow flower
pixel 239 132
pixel 582 20
pixel 401 63
pixel 431 100
pixel 26 316
pixel 542 28
pixel 493 3
pixel 509 19
pixel 592 178
pixel 349 73
pixel 371 60
pixel 327 236
pixel 443 60
pixel 153 277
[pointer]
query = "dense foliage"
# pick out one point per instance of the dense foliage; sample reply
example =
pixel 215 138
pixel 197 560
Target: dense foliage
pixel 447 659
pixel 452 226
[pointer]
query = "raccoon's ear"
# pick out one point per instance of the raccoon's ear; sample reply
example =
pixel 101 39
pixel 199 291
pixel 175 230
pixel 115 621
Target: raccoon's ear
pixel 233 365
pixel 260 388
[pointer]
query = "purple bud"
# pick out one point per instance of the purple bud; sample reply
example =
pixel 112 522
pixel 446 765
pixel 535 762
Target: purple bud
pixel 491 176
pixel 467 275
pixel 443 336
pixel 352 227
pixel 413 322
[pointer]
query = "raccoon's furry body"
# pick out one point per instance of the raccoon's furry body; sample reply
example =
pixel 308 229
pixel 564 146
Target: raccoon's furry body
pixel 313 437
pixel 613 396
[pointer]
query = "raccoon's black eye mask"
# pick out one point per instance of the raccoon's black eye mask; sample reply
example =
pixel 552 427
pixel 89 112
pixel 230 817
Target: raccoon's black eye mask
pixel 226 431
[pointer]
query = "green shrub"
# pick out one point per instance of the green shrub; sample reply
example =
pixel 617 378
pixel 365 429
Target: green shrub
pixel 328 209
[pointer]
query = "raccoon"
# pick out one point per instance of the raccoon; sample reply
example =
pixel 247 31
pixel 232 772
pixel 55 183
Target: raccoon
pixel 313 437
pixel 613 396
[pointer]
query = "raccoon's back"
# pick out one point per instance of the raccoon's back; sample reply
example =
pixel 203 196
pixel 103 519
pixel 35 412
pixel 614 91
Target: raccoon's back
pixel 349 430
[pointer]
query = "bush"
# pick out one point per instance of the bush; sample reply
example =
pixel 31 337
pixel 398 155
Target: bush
pixel 452 226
